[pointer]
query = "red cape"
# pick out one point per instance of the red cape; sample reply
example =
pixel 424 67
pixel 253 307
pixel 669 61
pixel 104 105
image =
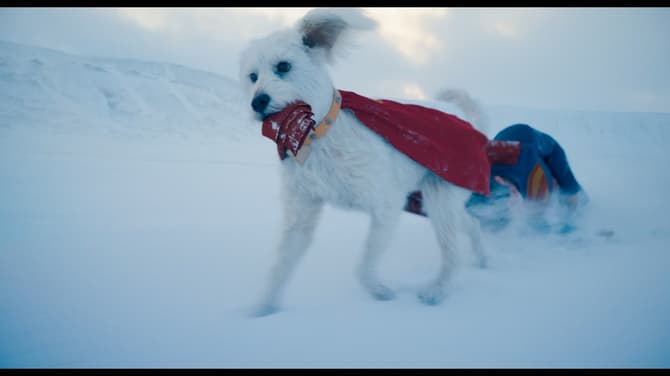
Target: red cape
pixel 445 144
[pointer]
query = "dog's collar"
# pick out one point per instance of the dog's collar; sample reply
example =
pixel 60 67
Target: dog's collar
pixel 324 126
pixel 320 129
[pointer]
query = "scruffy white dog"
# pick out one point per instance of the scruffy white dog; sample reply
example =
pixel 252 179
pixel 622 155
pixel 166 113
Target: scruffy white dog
pixel 350 166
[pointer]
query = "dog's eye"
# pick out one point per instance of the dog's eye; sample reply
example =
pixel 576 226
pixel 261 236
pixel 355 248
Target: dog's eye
pixel 253 77
pixel 283 67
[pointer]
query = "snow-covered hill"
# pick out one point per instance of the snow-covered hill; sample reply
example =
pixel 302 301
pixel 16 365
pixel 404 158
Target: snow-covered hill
pixel 139 213
pixel 60 92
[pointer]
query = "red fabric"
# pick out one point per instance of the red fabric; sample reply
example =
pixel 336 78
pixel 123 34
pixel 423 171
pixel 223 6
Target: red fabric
pixel 289 128
pixel 503 152
pixel 445 144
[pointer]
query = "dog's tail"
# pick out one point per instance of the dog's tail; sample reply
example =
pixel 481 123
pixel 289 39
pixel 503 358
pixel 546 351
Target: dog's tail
pixel 470 107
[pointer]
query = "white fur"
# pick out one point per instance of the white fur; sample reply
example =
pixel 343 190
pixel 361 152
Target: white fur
pixel 351 166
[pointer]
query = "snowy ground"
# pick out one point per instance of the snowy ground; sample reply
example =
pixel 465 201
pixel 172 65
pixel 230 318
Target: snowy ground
pixel 139 215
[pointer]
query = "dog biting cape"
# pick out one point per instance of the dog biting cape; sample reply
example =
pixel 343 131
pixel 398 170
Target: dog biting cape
pixel 443 143
pixel 289 128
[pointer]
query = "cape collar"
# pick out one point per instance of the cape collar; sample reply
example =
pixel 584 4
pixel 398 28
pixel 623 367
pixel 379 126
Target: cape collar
pixel 320 129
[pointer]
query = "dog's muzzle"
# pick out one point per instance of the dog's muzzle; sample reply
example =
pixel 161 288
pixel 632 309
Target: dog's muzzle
pixel 260 104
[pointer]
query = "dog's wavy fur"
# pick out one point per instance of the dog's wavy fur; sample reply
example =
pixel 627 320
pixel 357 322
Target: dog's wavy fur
pixel 350 167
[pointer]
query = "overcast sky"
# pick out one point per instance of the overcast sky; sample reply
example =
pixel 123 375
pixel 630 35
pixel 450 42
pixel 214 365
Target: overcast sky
pixel 611 59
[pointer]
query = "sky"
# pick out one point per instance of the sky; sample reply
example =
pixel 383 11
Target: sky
pixel 600 59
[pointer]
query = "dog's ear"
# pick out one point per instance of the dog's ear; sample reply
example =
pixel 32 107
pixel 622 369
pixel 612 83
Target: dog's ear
pixel 325 29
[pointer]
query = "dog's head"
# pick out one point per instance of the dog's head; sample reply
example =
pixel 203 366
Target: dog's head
pixel 290 65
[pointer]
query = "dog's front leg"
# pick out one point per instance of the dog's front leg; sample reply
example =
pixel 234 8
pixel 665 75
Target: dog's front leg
pixel 379 238
pixel 300 216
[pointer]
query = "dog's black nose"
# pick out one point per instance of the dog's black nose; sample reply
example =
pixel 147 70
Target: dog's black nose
pixel 260 102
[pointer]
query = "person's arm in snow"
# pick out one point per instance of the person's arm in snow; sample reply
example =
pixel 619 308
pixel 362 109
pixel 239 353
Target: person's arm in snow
pixel 571 194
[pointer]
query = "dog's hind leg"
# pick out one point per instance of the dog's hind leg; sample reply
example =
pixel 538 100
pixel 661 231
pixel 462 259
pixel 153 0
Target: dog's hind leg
pixel 378 240
pixel 299 222
pixel 474 231
pixel 442 204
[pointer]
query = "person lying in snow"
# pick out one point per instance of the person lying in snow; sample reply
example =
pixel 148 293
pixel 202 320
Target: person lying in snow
pixel 527 166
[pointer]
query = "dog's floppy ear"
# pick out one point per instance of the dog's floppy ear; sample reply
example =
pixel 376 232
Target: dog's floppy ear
pixel 325 29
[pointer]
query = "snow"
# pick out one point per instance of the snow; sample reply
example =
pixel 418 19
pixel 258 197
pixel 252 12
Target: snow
pixel 140 211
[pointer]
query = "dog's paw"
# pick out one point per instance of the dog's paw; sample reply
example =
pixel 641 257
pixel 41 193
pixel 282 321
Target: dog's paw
pixel 262 310
pixel 380 292
pixel 432 295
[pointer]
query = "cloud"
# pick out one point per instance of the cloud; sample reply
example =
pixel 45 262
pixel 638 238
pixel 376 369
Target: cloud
pixel 230 24
pixel 407 30
pixel 506 29
pixel 414 91
pixel 513 23
pixel 148 18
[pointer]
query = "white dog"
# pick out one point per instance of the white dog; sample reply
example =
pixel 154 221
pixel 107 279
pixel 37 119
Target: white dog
pixel 350 166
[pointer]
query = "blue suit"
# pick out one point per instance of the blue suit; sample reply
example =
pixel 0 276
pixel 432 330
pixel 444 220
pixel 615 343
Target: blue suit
pixel 539 152
pixel 531 160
